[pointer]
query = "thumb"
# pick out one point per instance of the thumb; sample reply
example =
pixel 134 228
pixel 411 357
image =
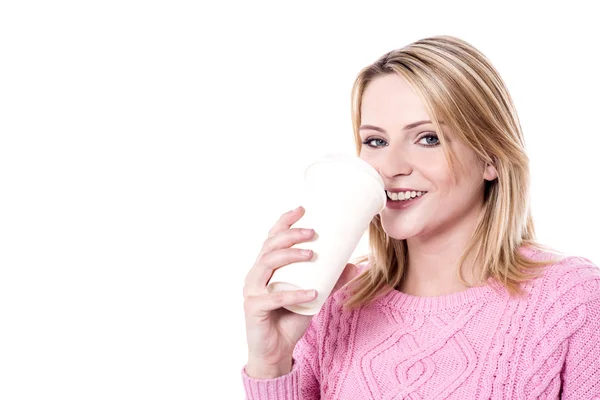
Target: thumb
pixel 349 273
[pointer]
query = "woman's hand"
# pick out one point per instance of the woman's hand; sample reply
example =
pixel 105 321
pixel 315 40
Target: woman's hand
pixel 272 331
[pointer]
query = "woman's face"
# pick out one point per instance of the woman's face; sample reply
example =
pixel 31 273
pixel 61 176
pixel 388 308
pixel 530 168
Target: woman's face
pixel 408 155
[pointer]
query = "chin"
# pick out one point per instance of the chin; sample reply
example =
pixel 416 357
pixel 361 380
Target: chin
pixel 399 232
pixel 407 228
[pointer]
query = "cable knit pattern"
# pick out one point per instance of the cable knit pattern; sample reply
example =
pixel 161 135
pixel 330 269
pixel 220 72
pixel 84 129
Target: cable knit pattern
pixel 476 344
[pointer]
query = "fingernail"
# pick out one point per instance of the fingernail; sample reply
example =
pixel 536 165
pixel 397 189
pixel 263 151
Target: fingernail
pixel 306 252
pixel 307 232
pixel 311 293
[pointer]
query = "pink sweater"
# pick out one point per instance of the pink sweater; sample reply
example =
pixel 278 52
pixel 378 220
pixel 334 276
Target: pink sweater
pixel 475 344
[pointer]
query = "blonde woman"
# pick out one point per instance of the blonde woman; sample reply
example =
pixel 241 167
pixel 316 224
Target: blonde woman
pixel 456 299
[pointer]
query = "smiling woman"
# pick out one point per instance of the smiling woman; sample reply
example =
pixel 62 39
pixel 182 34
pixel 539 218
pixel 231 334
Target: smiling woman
pixel 414 155
pixel 456 298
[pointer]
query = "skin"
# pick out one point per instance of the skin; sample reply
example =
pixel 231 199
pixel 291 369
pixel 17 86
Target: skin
pixel 438 226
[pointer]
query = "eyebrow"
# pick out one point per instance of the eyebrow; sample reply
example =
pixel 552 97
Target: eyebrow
pixel 407 127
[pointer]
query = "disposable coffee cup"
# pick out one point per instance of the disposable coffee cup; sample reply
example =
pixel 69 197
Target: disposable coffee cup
pixel 342 194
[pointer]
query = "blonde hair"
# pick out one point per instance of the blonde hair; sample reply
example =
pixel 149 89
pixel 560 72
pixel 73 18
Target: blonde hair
pixel 460 87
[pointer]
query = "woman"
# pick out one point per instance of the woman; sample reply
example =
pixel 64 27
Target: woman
pixel 456 299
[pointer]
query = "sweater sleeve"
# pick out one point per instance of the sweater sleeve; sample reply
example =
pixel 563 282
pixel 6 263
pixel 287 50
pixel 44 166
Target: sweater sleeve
pixel 581 370
pixel 301 383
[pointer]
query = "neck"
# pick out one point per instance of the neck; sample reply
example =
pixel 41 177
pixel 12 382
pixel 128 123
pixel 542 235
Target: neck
pixel 433 260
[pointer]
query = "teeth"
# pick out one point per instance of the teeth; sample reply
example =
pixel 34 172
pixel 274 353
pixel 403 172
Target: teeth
pixel 397 196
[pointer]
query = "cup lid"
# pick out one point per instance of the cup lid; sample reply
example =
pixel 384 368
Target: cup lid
pixel 352 160
pixel 360 165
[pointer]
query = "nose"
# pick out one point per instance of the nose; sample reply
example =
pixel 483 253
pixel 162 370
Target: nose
pixel 393 165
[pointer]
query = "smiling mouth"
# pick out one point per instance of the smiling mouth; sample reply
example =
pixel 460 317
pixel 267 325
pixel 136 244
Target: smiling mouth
pixel 403 196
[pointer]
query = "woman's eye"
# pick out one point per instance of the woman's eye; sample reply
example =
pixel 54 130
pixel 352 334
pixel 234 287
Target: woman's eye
pixel 430 140
pixel 374 142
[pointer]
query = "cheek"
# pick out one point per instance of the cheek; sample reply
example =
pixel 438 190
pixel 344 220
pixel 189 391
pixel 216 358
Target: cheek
pixel 438 173
pixel 466 183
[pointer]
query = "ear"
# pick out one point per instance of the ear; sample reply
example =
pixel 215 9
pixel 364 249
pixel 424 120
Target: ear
pixel 490 173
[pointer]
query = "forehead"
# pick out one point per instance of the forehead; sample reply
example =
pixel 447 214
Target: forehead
pixel 389 100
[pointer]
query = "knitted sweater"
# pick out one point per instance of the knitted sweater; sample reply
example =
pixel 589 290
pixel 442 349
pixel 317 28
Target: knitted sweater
pixel 476 344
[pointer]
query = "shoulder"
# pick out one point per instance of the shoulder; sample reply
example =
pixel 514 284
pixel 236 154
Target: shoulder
pixel 567 272
pixel 568 292
pixel 362 266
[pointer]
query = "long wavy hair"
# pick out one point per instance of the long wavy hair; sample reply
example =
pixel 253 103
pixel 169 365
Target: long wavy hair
pixel 459 86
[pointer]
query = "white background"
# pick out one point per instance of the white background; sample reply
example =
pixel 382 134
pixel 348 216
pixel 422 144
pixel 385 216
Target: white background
pixel 146 148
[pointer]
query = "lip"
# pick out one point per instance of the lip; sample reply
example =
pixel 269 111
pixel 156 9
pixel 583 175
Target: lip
pixel 401 205
pixel 397 190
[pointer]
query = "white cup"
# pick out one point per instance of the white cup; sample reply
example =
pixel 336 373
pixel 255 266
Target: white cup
pixel 342 194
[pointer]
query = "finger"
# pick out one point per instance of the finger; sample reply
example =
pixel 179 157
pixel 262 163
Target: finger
pixel 259 276
pixel 255 280
pixel 280 258
pixel 349 273
pixel 286 221
pixel 284 240
pixel 261 306
pixel 287 238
